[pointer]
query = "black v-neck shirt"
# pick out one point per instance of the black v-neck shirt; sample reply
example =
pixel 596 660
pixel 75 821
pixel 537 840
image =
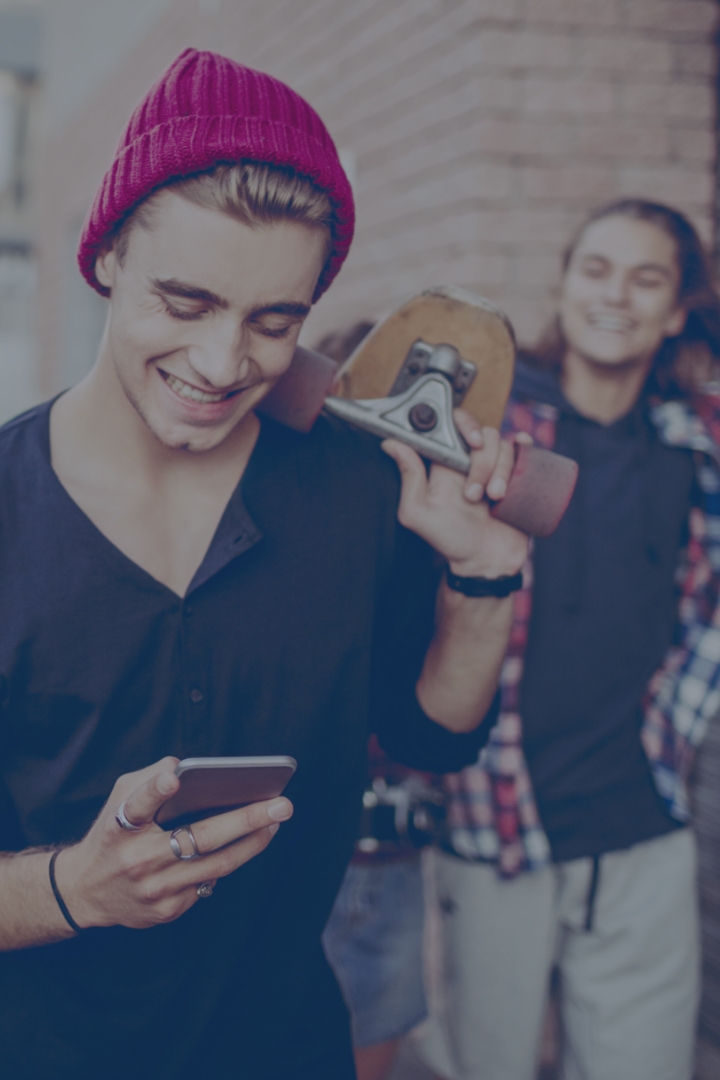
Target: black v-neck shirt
pixel 303 629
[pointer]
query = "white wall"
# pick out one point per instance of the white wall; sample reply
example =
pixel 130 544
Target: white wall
pixel 20 104
pixel 85 42
pixel 18 368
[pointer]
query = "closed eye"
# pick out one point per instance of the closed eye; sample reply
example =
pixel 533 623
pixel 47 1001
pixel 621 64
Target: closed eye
pixel 651 281
pixel 179 313
pixel 594 268
pixel 272 332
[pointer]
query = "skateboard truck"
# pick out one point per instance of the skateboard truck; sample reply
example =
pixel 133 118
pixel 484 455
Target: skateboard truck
pixel 431 383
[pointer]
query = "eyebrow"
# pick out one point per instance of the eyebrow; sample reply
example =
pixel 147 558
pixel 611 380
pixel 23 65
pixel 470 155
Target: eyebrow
pixel 284 307
pixel 173 287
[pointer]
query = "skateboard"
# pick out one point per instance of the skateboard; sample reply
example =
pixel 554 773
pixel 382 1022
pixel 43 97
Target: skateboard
pixel 440 350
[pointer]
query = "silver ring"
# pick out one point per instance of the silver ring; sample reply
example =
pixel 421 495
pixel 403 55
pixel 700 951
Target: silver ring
pixel 205 889
pixel 123 821
pixel 175 844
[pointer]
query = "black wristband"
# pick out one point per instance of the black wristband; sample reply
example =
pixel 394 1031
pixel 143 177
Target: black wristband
pixel 56 893
pixel 482 586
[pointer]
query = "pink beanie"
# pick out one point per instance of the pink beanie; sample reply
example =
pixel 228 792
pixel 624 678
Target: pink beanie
pixel 204 110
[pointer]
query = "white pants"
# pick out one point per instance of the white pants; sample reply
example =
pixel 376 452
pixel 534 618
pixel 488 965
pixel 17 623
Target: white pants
pixel 628 986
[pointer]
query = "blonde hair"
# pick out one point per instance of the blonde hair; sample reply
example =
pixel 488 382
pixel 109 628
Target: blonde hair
pixel 251 192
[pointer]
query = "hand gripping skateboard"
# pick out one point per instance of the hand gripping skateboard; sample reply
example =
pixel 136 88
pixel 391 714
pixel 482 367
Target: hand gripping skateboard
pixel 440 350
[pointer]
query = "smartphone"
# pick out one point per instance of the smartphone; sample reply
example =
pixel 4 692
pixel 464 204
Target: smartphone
pixel 212 785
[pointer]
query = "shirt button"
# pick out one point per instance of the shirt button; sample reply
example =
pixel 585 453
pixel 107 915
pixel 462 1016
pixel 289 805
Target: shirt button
pixel 189 610
pixel 196 696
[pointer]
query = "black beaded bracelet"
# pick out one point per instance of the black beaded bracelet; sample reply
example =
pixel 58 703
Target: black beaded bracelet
pixel 56 893
pixel 482 586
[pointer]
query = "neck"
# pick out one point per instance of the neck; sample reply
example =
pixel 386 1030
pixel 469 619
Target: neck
pixel 602 392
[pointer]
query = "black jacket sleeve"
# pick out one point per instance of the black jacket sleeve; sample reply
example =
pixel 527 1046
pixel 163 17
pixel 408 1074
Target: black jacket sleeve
pixel 404 629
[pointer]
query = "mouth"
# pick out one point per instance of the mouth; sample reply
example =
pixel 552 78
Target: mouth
pixel 193 393
pixel 617 324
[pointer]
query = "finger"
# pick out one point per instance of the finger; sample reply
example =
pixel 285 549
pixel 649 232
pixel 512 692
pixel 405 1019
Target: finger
pixel 216 832
pixel 128 782
pixel 221 863
pixel 498 482
pixel 470 428
pixel 143 803
pixel 217 864
pixel 444 483
pixel 172 890
pixel 482 464
pixel 413 477
pixel 522 438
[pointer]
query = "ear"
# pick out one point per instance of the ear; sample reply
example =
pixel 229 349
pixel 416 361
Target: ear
pixel 676 322
pixel 106 267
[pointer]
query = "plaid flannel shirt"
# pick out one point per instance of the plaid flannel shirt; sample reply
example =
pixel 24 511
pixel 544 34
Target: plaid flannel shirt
pixel 491 811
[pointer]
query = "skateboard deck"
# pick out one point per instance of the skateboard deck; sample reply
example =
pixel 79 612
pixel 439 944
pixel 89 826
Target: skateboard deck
pixel 474 327
pixel 440 350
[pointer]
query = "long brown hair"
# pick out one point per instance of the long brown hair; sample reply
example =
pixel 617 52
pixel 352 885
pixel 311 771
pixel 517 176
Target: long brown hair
pixel 683 364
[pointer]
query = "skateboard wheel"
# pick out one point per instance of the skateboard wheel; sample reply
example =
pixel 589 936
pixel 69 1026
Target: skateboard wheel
pixel 539 491
pixel 297 397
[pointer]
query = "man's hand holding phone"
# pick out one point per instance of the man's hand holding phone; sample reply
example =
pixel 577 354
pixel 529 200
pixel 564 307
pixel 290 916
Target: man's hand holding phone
pixel 134 877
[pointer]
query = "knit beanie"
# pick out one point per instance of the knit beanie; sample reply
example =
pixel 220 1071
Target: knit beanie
pixel 206 110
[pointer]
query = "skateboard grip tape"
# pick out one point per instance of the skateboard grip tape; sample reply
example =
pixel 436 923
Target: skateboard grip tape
pixel 538 492
pixel 298 396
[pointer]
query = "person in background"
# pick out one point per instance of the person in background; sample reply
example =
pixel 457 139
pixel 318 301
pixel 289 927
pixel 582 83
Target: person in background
pixel 373 939
pixel 339 345
pixel 569 844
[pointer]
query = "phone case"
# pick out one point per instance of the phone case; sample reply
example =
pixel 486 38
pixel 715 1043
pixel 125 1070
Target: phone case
pixel 211 786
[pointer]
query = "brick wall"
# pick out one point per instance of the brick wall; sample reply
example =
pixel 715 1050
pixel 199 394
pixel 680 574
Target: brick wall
pixel 479 131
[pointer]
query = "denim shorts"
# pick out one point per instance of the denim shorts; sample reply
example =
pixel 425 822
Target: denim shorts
pixel 373 941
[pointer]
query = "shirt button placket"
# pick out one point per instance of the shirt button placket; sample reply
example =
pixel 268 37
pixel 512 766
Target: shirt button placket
pixel 194 676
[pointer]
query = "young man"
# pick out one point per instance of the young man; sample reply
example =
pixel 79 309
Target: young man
pixel 610 682
pixel 179 578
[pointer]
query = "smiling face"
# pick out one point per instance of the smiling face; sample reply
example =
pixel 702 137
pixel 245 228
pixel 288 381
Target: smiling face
pixel 205 314
pixel 619 293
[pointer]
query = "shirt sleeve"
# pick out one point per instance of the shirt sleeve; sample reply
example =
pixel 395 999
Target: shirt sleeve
pixel 683 696
pixel 404 629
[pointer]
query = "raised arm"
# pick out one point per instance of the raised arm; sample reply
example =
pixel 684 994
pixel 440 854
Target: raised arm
pixel 462 665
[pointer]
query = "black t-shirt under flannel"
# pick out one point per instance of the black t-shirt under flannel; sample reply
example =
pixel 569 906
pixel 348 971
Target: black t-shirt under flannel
pixel 603 618
pixel 303 629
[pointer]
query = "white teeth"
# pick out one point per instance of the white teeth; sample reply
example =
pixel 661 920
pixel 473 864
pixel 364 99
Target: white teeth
pixel 609 322
pixel 185 390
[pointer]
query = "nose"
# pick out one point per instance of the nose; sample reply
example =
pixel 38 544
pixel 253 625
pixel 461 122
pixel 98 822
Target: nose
pixel 219 352
pixel 616 288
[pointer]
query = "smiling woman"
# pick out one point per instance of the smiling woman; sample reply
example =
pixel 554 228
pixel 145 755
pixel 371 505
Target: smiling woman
pixel 660 259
